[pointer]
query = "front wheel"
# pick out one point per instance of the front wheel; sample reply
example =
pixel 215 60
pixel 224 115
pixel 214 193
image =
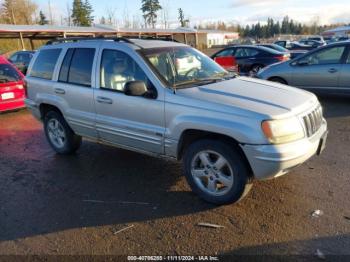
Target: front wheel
pixel 60 136
pixel 216 172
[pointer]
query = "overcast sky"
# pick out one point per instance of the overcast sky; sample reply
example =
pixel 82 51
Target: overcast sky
pixel 242 11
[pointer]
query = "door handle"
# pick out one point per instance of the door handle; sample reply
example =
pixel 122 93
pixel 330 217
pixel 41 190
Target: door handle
pixel 60 91
pixel 332 70
pixel 104 100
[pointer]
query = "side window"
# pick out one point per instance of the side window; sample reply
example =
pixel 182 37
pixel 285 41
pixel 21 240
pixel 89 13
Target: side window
pixel 118 68
pixel 331 55
pixel 252 52
pixel 77 66
pixel 13 58
pixel 348 59
pixel 63 77
pixel 245 52
pixel 224 53
pixel 44 64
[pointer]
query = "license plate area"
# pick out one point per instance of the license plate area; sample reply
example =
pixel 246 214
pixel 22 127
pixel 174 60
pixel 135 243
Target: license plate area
pixel 6 96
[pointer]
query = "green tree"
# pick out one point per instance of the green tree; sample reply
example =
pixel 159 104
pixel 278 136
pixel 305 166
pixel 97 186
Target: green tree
pixel 88 12
pixel 149 9
pixel 42 19
pixel 81 13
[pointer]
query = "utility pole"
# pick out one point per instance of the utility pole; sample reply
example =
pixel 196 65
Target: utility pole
pixel 50 13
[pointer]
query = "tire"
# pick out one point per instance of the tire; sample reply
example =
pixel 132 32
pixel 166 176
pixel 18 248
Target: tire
pixel 255 69
pixel 278 80
pixel 231 180
pixel 59 135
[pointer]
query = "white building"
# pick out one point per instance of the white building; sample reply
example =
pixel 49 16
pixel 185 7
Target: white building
pixel 216 37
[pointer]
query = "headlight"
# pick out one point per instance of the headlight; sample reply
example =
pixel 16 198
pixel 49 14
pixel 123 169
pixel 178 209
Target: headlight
pixel 283 131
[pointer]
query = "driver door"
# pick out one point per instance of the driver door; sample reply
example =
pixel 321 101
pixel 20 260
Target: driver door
pixel 319 70
pixel 135 123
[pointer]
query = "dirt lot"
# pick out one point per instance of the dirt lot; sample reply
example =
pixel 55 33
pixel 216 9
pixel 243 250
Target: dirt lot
pixel 51 204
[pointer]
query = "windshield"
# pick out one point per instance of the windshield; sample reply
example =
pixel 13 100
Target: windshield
pixel 8 74
pixel 183 66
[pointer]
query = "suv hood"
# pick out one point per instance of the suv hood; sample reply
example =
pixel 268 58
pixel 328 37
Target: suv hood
pixel 259 96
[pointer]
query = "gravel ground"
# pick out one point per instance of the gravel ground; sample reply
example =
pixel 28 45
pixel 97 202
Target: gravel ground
pixel 77 205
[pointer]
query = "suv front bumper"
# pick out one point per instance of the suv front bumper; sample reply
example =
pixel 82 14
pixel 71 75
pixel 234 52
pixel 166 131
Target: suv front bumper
pixel 270 161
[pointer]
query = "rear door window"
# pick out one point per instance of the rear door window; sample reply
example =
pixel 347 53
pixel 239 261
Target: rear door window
pixel 8 74
pixel 45 63
pixel 77 66
pixel 224 53
pixel 245 52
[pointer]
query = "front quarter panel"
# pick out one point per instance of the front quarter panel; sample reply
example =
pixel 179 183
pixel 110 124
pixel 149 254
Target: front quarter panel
pixel 183 113
pixel 282 70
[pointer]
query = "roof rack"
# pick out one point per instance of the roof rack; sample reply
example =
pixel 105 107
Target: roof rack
pixel 77 39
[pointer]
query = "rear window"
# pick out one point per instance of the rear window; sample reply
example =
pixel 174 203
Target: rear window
pixel 44 64
pixel 8 74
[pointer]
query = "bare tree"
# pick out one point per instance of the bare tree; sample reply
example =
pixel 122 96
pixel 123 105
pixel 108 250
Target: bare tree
pixel 68 15
pixel 18 12
pixel 111 16
pixel 126 18
pixel 165 13
pixel 50 13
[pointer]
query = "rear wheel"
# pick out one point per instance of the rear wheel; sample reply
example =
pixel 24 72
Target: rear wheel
pixel 255 69
pixel 60 136
pixel 216 172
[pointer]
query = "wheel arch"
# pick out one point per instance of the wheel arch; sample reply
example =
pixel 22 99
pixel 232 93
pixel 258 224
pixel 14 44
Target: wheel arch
pixel 45 108
pixel 190 136
pixel 278 78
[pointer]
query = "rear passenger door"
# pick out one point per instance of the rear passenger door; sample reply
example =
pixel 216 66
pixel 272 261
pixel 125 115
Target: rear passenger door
pixel 319 70
pixel 128 121
pixel 75 88
pixel 245 58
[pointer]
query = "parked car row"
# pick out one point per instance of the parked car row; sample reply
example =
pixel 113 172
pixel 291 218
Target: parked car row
pixel 251 59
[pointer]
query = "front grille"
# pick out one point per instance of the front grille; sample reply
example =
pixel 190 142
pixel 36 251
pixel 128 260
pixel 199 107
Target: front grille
pixel 313 121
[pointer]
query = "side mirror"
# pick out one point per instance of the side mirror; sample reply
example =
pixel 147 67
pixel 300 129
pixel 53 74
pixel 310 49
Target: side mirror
pixel 135 88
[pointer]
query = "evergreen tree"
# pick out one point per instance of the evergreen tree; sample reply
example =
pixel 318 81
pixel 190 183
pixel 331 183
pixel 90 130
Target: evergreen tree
pixel 42 19
pixel 81 13
pixel 150 9
pixel 88 12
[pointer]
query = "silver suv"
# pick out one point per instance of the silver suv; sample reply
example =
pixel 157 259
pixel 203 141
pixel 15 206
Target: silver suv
pixel 168 99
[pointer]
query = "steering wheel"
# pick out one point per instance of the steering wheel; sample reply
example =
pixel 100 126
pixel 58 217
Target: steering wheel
pixel 192 70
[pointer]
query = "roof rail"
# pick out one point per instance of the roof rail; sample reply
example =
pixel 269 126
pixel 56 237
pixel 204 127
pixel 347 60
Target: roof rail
pixel 77 39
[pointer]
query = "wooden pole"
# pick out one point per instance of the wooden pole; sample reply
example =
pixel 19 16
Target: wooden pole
pixel 22 42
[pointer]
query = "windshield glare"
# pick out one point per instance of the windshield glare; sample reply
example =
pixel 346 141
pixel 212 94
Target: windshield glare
pixel 180 66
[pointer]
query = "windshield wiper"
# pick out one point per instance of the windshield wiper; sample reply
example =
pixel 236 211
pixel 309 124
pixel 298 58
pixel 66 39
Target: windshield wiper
pixel 199 82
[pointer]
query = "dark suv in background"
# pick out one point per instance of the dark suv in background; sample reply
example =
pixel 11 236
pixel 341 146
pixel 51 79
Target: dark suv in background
pixel 21 60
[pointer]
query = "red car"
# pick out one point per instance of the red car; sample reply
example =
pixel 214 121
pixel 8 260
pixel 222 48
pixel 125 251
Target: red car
pixel 12 92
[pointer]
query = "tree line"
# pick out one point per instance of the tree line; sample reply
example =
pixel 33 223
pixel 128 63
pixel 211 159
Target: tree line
pixel 80 14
